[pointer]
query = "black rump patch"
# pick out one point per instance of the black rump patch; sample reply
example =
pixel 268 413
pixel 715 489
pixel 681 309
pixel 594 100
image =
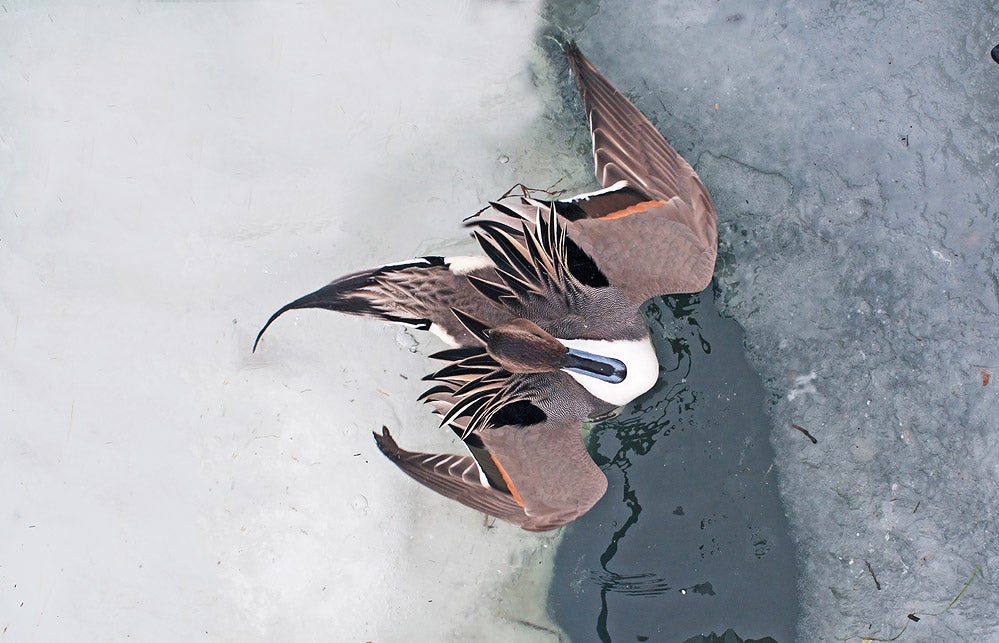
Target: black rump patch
pixel 471 440
pixel 523 413
pixel 582 266
pixel 568 209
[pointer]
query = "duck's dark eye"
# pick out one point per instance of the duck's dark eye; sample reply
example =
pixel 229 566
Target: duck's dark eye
pixel 582 266
pixel 523 413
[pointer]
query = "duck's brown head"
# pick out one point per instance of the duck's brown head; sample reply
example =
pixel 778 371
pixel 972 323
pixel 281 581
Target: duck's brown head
pixel 521 346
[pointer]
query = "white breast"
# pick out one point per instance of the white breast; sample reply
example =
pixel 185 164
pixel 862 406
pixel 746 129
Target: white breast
pixel 638 356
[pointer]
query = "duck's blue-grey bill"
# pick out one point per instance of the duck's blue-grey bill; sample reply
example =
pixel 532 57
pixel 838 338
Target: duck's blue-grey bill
pixel 601 367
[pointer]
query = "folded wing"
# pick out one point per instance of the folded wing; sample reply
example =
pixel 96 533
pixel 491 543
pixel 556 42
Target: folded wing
pixel 652 230
pixel 548 477
pixel 528 464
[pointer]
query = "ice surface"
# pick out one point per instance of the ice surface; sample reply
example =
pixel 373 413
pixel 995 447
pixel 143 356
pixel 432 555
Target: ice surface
pixel 851 151
pixel 172 173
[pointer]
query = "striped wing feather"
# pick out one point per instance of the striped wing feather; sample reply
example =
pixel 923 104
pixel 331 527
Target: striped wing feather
pixel 665 239
pixel 453 476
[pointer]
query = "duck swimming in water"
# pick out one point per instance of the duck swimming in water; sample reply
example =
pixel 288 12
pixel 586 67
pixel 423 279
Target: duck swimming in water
pixel 545 326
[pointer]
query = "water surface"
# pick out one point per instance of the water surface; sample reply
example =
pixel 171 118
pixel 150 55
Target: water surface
pixel 691 537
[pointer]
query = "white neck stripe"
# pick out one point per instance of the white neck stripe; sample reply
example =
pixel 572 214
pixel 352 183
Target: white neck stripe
pixel 638 356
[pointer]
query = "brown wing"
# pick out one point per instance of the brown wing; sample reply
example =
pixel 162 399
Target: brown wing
pixel 655 230
pixel 548 468
pixel 453 476
pixel 548 476
pixel 528 463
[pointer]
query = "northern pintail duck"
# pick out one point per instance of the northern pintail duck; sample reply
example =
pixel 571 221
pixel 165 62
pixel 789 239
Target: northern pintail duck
pixel 545 327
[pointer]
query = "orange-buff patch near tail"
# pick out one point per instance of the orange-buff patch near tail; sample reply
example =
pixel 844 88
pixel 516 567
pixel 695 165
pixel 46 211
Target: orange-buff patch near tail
pixel 634 209
pixel 509 483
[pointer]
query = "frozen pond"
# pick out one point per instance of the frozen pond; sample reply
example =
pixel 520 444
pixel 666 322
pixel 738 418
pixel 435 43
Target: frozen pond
pixel 852 155
pixel 173 172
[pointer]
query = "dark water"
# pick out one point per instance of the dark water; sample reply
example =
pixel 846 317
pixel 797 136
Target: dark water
pixel 691 537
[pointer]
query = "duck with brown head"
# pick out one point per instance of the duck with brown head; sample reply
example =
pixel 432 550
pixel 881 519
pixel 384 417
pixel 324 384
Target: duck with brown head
pixel 545 327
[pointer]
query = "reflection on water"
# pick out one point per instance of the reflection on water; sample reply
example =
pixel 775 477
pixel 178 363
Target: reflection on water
pixel 728 636
pixel 635 433
pixel 646 584
pixel 691 537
